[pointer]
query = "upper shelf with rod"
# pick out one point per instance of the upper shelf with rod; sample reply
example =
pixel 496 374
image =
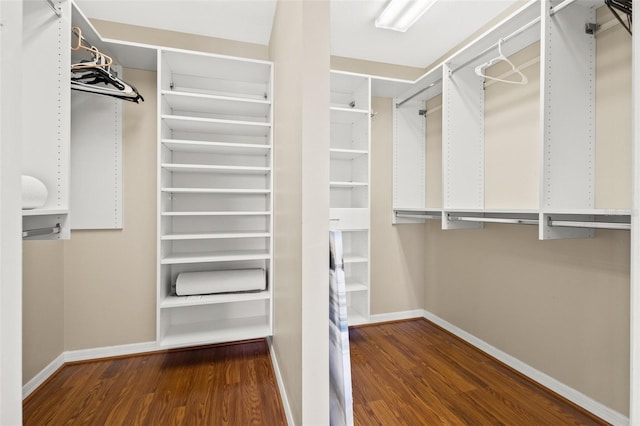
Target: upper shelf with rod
pixel 127 54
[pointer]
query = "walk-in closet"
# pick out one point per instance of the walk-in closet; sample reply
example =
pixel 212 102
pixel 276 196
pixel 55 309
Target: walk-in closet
pixel 302 212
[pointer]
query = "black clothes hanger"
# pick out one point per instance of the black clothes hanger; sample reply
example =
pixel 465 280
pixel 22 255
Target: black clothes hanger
pixel 624 6
pixel 96 76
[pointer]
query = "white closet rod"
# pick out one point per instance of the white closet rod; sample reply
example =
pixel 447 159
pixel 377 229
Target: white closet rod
pixel 561 6
pixel 599 225
pixel 407 99
pixel 494 45
pixel 418 216
pixel 56 9
pixel 494 220
pixel 42 231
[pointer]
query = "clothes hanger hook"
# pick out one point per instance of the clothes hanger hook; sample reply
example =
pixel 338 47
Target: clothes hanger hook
pixel 500 46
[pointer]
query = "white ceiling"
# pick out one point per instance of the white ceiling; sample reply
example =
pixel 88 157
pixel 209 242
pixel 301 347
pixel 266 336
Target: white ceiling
pixel 352 31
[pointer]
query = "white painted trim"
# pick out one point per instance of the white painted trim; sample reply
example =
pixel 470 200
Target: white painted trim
pixel 110 351
pixel 545 380
pixel 42 376
pixel 283 392
pixel 396 316
pixel 85 355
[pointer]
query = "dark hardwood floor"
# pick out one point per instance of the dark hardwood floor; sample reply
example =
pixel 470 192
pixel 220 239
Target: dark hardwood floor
pixel 415 373
pixel 403 373
pixel 216 385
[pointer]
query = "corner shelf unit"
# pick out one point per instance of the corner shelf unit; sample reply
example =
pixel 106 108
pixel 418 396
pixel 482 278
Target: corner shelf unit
pixel 547 176
pixel 349 184
pixel 214 193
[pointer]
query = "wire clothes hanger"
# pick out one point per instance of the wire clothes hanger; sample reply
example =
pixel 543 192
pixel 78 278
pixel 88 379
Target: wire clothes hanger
pixel 95 75
pixel 501 58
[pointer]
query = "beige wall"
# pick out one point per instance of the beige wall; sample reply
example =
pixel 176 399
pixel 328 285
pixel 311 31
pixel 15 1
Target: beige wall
pixel 397 252
pixel 613 126
pixel 560 306
pixel 110 275
pixel 300 51
pixel 42 305
pixel 285 48
pixel 512 136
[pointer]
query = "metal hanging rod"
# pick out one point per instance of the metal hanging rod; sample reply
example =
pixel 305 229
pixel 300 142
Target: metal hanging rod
pixel 418 216
pixel 595 225
pixel 494 220
pixel 402 102
pixel 42 231
pixel 495 45
pixel 56 8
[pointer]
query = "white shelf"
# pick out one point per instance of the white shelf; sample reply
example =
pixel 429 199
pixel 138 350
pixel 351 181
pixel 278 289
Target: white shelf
pixel 44 212
pixel 211 299
pixel 355 318
pixel 590 212
pixel 355 286
pixel 206 72
pixel 347 115
pixel 215 191
pixel 217 126
pixel 197 168
pixel 348 184
pixel 227 256
pixel 346 154
pixel 215 162
pixel 352 258
pixel 217 331
pixel 215 213
pixel 214 236
pixel 222 105
pixel 492 211
pixel 216 147
pixel 418 210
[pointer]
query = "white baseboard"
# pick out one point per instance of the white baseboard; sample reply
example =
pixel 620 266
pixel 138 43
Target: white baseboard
pixel 85 355
pixel 42 376
pixel 396 316
pixel 578 398
pixel 110 351
pixel 283 392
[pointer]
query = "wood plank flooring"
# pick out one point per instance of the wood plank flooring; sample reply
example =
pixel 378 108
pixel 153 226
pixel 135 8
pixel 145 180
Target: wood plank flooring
pixel 415 373
pixel 403 373
pixel 216 385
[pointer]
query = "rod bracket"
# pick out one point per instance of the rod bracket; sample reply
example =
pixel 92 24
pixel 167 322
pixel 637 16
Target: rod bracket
pixel 591 28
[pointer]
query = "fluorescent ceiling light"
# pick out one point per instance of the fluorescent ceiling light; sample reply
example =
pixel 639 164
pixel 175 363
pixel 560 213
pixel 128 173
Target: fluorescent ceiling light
pixel 400 15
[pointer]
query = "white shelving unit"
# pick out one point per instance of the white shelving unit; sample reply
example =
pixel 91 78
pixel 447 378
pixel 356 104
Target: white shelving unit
pixel 480 183
pixel 349 183
pixel 215 193
pixel 45 146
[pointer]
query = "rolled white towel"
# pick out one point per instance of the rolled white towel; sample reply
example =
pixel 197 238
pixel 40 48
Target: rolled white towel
pixel 226 281
pixel 34 193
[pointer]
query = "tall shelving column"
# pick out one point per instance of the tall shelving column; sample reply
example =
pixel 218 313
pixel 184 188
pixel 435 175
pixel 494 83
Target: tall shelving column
pixel 46 94
pixel 214 193
pixel 349 181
